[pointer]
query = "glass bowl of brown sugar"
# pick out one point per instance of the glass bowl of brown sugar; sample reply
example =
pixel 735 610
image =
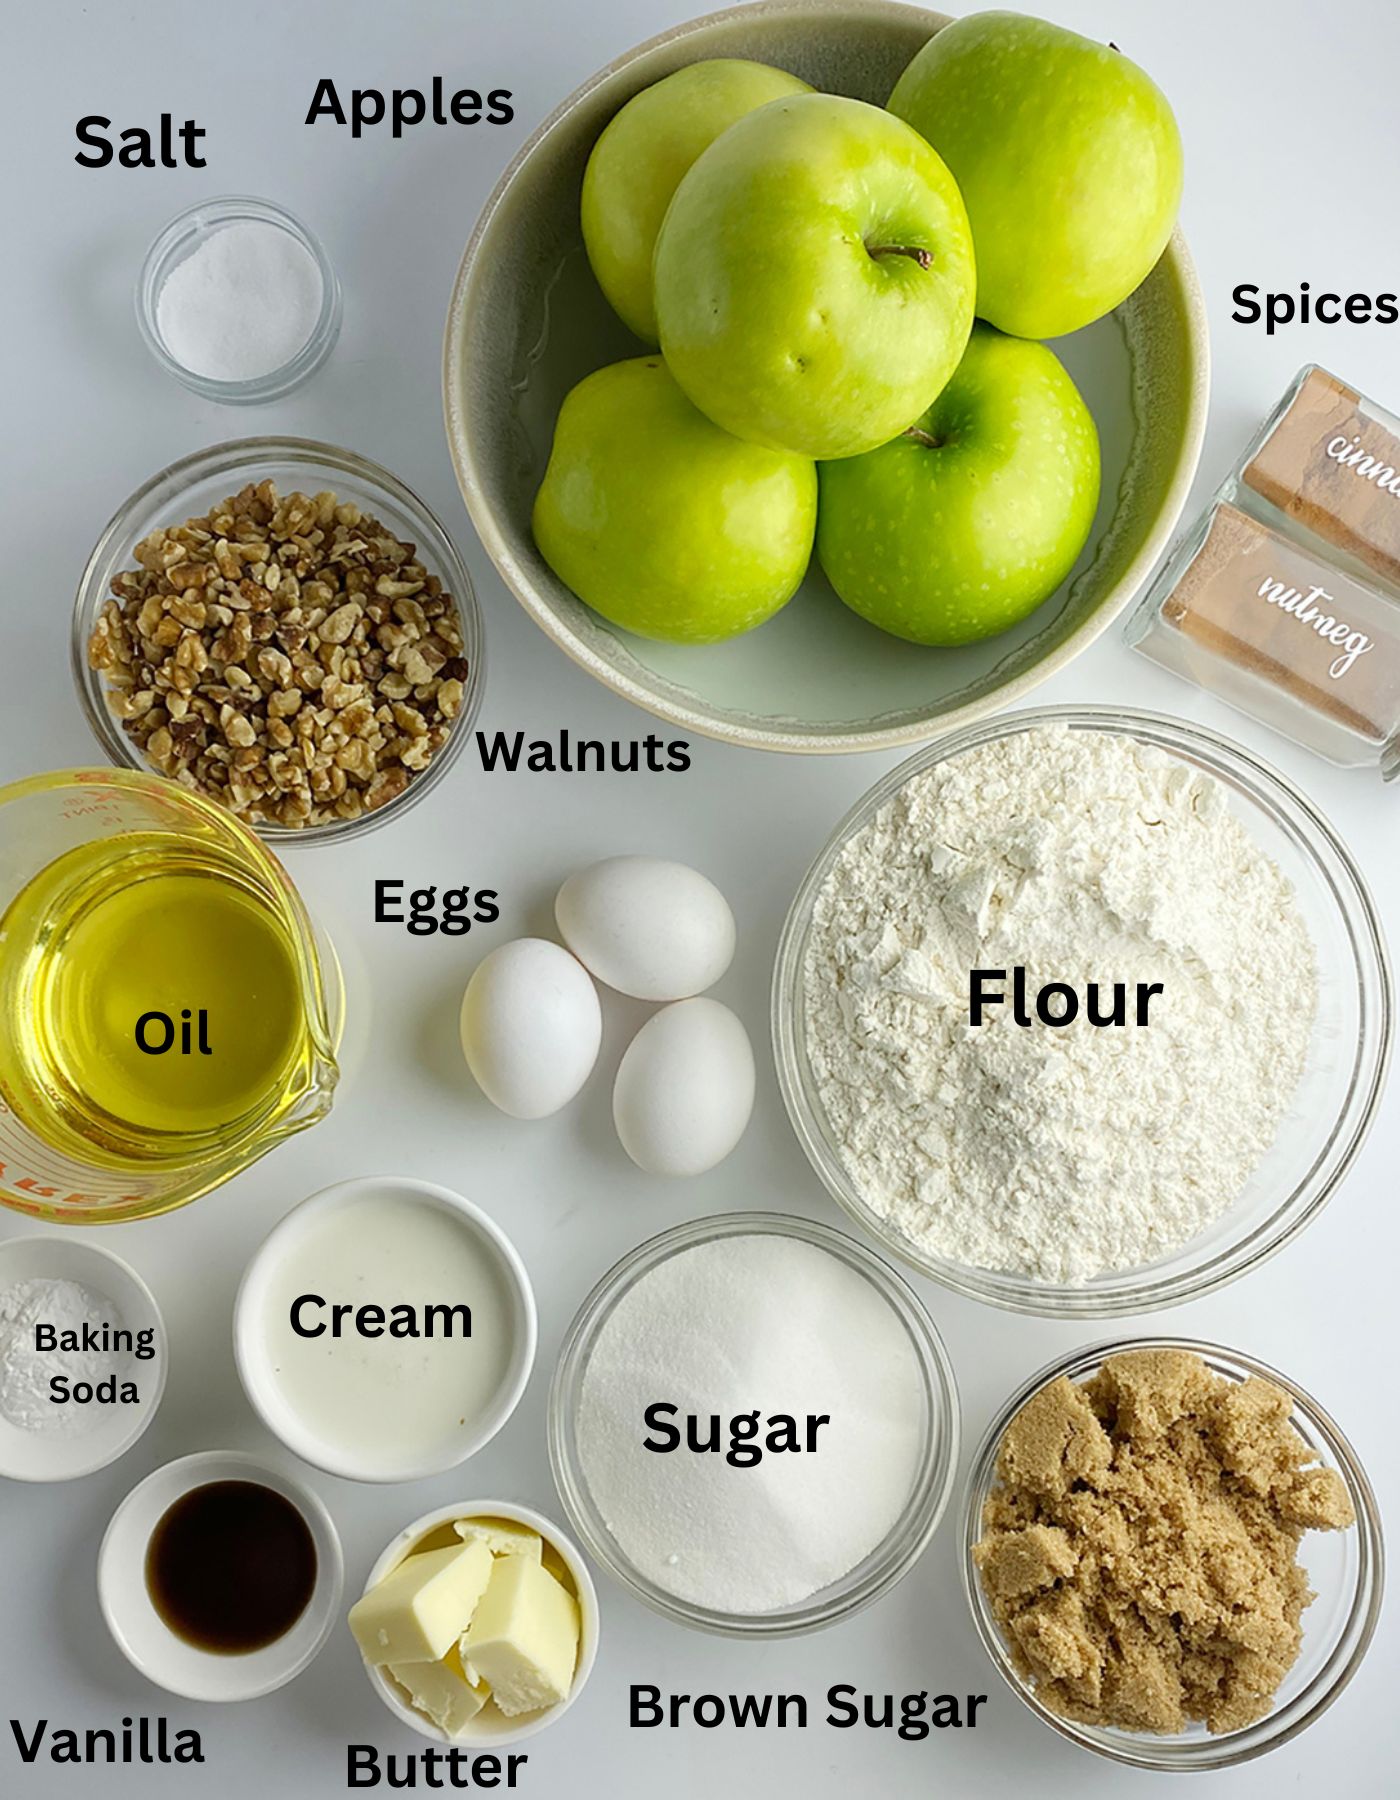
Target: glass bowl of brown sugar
pixel 1028 1547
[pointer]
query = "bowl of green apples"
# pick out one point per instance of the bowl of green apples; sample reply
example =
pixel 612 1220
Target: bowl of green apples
pixel 823 378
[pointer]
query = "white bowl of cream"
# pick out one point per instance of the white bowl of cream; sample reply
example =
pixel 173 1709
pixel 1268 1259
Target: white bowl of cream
pixel 385 1329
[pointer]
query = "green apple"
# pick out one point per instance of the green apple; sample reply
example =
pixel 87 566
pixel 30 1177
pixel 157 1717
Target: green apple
pixel 1068 158
pixel 965 524
pixel 638 162
pixel 814 277
pixel 662 522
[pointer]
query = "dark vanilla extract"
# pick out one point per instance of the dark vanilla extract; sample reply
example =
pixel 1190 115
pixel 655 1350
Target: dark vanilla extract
pixel 231 1566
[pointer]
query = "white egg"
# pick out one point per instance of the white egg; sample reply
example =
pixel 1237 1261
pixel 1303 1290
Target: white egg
pixel 684 1089
pixel 531 1027
pixel 656 930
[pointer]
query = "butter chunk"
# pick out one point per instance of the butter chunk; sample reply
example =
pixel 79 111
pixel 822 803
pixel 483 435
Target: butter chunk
pixel 419 1610
pixel 443 1690
pixel 556 1566
pixel 523 1638
pixel 502 1537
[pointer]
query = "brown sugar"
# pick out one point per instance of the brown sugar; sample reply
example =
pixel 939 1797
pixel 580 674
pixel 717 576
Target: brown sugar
pixel 1140 1547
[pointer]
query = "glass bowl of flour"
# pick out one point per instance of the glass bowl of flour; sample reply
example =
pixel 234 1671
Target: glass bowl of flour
pixel 1082 1012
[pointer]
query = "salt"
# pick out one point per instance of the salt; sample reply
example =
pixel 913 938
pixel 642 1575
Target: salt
pixel 242 304
pixel 764 1323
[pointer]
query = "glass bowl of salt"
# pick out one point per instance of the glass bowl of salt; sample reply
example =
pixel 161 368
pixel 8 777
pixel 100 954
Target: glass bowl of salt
pixel 238 301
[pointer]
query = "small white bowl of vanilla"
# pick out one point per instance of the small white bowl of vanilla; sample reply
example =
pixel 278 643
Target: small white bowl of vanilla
pixel 385 1329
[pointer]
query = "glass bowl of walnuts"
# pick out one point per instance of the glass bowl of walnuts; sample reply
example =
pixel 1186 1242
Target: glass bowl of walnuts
pixel 286 628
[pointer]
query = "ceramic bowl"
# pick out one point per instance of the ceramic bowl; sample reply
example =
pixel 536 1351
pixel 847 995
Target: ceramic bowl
pixel 147 1641
pixel 433 1531
pixel 104 1431
pixel 527 321
pixel 257 1362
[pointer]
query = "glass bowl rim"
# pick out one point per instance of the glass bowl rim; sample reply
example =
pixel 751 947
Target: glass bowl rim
pixel 1143 1749
pixel 209 215
pixel 233 456
pixel 933 1484
pixel 1133 1290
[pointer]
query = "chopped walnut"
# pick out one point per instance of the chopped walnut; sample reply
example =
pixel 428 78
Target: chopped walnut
pixel 285 654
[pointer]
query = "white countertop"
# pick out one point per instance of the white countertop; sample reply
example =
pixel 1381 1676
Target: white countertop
pixel 1293 139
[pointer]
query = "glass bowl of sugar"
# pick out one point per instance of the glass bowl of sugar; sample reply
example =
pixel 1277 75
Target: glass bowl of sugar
pixel 238 301
pixel 818 1458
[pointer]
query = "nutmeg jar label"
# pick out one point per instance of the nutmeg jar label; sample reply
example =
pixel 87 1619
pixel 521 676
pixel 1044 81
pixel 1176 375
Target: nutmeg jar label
pixel 1285 617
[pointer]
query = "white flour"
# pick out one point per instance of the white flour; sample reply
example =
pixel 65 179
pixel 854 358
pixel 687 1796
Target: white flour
pixel 25 1372
pixel 1059 1152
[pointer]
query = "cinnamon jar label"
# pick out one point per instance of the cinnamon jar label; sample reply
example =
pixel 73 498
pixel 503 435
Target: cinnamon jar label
pixel 1331 464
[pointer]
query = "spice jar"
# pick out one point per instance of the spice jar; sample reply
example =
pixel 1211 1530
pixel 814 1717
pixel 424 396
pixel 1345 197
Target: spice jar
pixel 1285 599
pixel 1329 461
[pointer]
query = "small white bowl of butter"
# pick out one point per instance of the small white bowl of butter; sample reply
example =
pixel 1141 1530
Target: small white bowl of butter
pixel 528 1615
pixel 385 1329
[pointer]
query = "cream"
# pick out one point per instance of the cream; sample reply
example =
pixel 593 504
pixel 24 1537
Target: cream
pixel 387 1327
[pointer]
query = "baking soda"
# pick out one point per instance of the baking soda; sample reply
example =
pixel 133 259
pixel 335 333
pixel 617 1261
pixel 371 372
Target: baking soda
pixel 25 1371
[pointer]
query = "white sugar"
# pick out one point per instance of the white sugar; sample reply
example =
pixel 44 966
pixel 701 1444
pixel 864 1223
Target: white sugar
pixel 719 1330
pixel 241 305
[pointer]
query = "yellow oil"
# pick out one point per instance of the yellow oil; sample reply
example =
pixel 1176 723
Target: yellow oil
pixel 137 924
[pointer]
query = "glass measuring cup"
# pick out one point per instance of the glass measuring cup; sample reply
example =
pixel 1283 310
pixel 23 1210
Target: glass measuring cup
pixel 76 1157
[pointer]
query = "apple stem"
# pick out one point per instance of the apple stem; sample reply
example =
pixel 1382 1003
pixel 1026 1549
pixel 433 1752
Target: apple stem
pixel 924 258
pixel 923 437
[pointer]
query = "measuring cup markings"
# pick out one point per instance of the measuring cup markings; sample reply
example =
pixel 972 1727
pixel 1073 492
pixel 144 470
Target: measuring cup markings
pixel 89 1130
